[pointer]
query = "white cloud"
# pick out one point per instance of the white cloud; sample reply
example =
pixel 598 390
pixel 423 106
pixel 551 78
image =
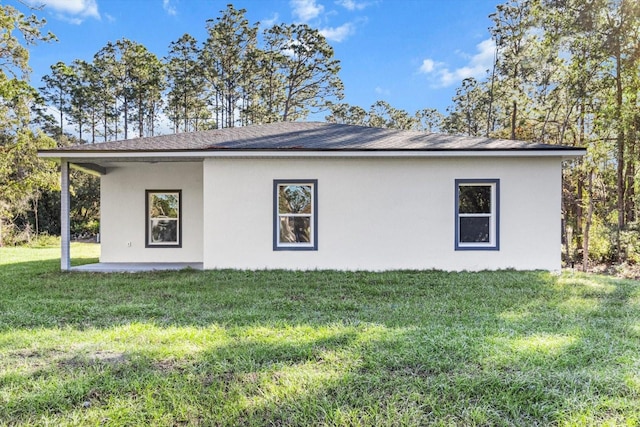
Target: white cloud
pixel 270 21
pixel 338 34
pixel 427 66
pixel 306 10
pixel 169 8
pixel 352 4
pixel 382 91
pixel 476 66
pixel 74 11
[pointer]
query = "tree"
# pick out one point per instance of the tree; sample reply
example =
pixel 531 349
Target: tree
pixel 303 77
pixel 57 90
pixel 468 115
pixel 106 91
pixel 20 169
pixel 512 33
pixel 622 21
pixel 88 94
pixel 224 59
pixel 132 82
pixel 185 103
pixel 113 95
pixel 572 107
pixel 602 83
pixel 269 83
pixel 344 113
pixel 80 104
pixel 383 115
pixel 144 85
pixel 429 120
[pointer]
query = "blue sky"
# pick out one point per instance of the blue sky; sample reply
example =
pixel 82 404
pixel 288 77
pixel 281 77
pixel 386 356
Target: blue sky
pixel 411 53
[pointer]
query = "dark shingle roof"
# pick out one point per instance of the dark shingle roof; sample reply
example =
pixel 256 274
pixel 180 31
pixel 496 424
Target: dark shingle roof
pixel 310 136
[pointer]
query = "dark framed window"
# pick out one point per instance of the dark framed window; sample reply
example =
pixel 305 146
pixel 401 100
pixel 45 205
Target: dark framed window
pixel 163 218
pixel 477 208
pixel 295 214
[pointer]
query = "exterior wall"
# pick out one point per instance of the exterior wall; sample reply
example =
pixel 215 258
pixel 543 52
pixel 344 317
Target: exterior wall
pixel 381 214
pixel 123 216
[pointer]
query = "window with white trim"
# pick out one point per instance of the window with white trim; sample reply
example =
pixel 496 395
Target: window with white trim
pixel 163 218
pixel 477 214
pixel 295 215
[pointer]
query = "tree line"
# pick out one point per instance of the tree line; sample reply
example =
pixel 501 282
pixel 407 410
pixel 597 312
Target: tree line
pixel 233 78
pixel 565 72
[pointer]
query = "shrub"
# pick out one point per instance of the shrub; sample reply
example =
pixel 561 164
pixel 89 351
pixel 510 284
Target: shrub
pixel 630 243
pixel 85 230
pixel 44 240
pixel 13 235
pixel 600 247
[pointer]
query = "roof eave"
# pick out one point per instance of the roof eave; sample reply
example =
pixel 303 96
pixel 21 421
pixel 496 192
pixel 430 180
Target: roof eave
pixel 566 153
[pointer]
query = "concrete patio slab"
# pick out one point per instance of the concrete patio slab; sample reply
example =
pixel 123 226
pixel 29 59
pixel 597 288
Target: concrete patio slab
pixel 135 267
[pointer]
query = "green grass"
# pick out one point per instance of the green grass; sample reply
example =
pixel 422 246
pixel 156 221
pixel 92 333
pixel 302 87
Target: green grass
pixel 313 348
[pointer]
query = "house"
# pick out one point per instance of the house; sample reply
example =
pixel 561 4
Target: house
pixel 324 196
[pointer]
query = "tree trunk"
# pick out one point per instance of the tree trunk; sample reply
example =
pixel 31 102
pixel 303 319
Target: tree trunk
pixel 186 113
pixel 587 224
pixel 230 111
pixel 151 125
pixel 116 120
pixel 632 139
pixel 514 116
pixel 93 125
pixel 514 111
pixel 579 210
pixel 106 123
pixel 126 118
pixel 35 214
pixel 493 78
pixel 565 234
pixel 140 117
pixel 630 208
pixel 620 154
pixel 61 121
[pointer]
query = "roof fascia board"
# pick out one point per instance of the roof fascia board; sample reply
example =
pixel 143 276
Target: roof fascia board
pixel 78 156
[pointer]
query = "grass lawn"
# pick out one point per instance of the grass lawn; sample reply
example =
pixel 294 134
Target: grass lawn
pixel 314 348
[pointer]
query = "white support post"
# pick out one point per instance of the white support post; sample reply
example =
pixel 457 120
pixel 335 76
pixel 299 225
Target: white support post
pixel 65 226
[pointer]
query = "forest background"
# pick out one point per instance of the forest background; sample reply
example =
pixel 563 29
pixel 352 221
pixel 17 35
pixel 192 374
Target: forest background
pixel 565 72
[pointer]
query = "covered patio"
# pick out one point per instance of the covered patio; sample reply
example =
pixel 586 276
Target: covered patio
pixel 135 267
pixel 66 164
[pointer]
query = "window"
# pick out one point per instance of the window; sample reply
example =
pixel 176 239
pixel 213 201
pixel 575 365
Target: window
pixel 295 215
pixel 477 214
pixel 163 218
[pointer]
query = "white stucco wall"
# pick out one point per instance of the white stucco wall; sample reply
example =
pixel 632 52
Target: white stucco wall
pixel 122 206
pixel 380 214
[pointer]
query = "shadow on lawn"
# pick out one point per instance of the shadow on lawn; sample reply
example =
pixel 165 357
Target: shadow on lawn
pixel 348 375
pixel 47 265
pixel 241 382
pixel 28 267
